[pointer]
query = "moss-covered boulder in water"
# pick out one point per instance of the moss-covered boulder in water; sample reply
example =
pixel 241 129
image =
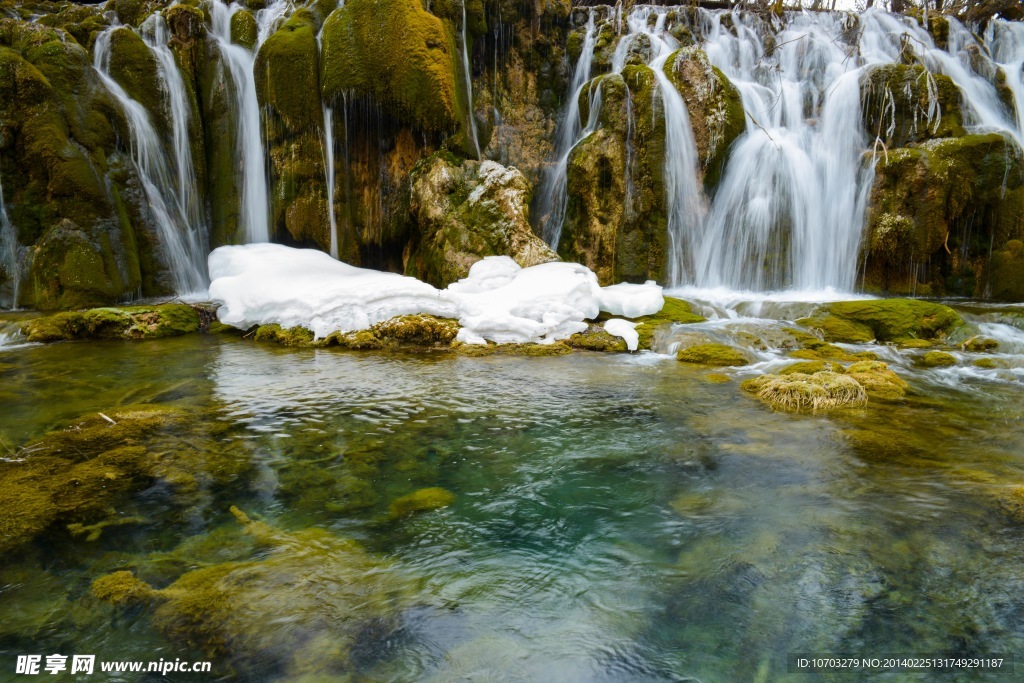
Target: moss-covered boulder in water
pixel 130 322
pixel 714 105
pixel 465 212
pixel 675 311
pixel 937 359
pixel 798 392
pixel 423 500
pixel 905 103
pixel 889 320
pixel 300 609
pixel 398 53
pixel 244 29
pixel 716 355
pixel 1005 274
pixel 878 380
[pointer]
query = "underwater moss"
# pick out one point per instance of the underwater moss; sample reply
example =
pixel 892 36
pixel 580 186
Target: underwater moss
pixel 812 367
pixel 675 311
pixel 422 500
pixel 878 380
pixel 717 355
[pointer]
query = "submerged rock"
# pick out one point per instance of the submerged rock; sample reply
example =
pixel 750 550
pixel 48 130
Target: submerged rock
pixel 422 500
pixel 878 380
pixel 937 359
pixel 299 611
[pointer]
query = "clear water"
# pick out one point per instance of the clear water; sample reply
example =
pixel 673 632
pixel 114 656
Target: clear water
pixel 617 518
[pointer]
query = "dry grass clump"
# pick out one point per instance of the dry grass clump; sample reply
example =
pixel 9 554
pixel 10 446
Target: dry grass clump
pixel 799 392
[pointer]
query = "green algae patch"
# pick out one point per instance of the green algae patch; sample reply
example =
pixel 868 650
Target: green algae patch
pixel 130 322
pixel 423 500
pixel 490 349
pixel 813 348
pixel 675 311
pixel 715 355
pixel 979 344
pixel 717 378
pixel 937 359
pixel 300 610
pixel 888 320
pixel 991 364
pixel 292 336
pixel 878 380
pixel 799 392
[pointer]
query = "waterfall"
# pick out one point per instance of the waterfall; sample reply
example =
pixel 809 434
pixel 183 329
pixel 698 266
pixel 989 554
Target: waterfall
pixel 1005 42
pixel 469 84
pixel 328 152
pixel 255 214
pixel 9 256
pixel 183 243
pixel 553 186
pixel 789 211
pixel 270 18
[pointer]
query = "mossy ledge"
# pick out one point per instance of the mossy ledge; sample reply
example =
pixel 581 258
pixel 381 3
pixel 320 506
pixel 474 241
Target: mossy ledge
pixel 885 320
pixel 131 322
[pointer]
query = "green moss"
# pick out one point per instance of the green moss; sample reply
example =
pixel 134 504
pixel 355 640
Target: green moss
pixel 812 367
pixel 991 363
pixel 717 378
pixel 130 322
pixel 134 67
pixel 293 336
pixel 244 29
pixel 287 72
pixel 422 500
pixel 1006 272
pixel 937 359
pixel 555 349
pixel 424 331
pixel 813 348
pixel 878 380
pixel 675 311
pixel 122 589
pixel 912 89
pixel 596 338
pixel 398 53
pixel 718 355
pixel 979 344
pixel 798 392
pixel 884 320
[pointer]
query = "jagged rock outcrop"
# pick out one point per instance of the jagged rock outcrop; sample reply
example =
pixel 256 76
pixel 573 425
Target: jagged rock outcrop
pixel 466 211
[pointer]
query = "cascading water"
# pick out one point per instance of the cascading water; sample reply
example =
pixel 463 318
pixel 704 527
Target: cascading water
pixel 270 18
pixel 469 84
pixel 328 151
pixel 183 243
pixel 553 186
pixel 1005 42
pixel 255 219
pixel 789 211
pixel 9 251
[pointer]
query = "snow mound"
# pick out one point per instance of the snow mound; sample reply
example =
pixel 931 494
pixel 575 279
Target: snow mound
pixel 625 329
pixel 498 301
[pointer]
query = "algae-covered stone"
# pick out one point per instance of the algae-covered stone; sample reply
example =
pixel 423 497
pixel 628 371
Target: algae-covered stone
pixel 890 320
pixel 134 67
pixel 1006 272
pixel 130 322
pixel 798 392
pixel 422 500
pixel 293 336
pixel 675 311
pixel 812 367
pixel 398 53
pixel 244 29
pixel 878 380
pixel 596 338
pixel 718 355
pixel 937 359
pixel 238 612
pixel 465 212
pixel 980 344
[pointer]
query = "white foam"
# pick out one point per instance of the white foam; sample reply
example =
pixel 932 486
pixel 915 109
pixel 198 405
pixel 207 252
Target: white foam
pixel 498 301
pixel 626 330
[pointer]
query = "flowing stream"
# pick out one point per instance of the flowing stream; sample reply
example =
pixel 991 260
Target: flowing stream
pixel 255 219
pixel 9 252
pixel 183 242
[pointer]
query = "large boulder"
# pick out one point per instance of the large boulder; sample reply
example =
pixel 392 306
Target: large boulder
pixel 464 212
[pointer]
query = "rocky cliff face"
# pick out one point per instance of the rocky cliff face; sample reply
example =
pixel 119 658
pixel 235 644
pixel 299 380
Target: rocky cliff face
pixel 372 115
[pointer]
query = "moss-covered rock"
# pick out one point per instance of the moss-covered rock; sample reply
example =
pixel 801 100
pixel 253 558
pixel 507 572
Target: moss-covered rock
pixel 465 212
pixel 936 211
pixel 287 71
pixel 798 392
pixel 596 338
pixel 813 367
pixel 131 322
pixel 244 29
pixel 134 67
pixel 937 359
pixel 906 103
pixel 979 344
pixel 398 53
pixel 236 611
pixel 1005 274
pixel 714 105
pixel 675 311
pixel 878 380
pixel 716 355
pixel 888 320
pixel 422 500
